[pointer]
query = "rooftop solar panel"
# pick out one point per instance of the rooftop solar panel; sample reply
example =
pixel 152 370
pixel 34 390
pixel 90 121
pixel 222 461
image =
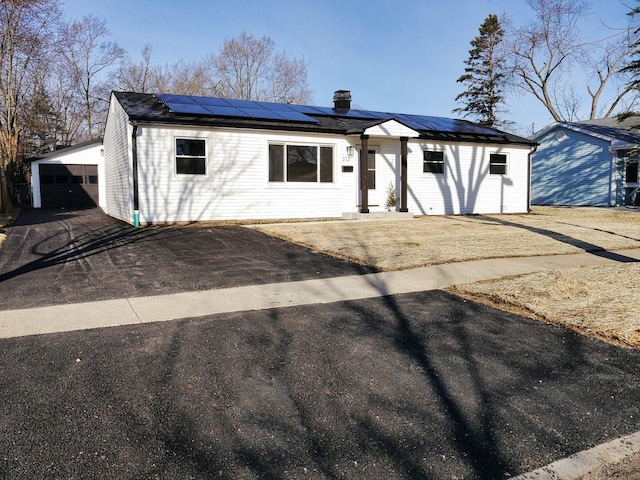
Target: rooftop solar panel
pixel 275 106
pixel 356 114
pixel 191 109
pixel 297 117
pixel 262 113
pixel 380 115
pixel 195 105
pixel 326 111
pixel 221 102
pixel 176 99
pixel 413 124
pixel 306 109
pixel 227 111
pixel 242 103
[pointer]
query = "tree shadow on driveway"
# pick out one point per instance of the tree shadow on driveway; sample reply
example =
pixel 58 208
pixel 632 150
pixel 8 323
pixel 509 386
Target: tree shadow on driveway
pixel 53 257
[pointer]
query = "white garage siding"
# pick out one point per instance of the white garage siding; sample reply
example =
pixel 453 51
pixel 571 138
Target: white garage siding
pixel 117 153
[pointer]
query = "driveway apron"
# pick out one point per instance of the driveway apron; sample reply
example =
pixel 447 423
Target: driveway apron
pixel 55 257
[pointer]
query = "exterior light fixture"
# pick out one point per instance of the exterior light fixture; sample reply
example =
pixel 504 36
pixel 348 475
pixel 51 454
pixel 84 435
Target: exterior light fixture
pixel 350 150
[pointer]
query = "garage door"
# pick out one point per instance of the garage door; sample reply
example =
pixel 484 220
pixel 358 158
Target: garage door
pixel 72 186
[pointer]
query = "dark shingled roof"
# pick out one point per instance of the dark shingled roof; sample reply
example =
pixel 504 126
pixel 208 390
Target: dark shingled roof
pixel 620 134
pixel 149 108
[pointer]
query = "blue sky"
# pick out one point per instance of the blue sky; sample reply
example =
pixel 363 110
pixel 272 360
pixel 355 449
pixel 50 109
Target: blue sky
pixel 394 55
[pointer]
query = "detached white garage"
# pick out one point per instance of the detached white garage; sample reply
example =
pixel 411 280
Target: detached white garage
pixel 71 177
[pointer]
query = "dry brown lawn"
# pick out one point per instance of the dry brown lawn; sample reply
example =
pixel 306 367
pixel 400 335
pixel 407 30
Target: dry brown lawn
pixel 602 301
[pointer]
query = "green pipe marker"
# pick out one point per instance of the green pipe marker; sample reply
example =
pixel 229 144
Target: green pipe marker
pixel 136 218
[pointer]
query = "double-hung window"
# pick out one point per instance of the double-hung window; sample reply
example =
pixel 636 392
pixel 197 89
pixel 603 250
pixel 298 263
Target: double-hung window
pixel 300 163
pixel 433 161
pixel 191 156
pixel 498 164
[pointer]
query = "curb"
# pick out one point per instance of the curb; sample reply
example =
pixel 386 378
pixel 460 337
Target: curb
pixel 583 463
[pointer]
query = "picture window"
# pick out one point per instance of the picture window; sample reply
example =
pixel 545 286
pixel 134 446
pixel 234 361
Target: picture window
pixel 300 163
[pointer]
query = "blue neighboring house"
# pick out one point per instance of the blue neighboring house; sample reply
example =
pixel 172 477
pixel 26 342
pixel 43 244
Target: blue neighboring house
pixel 586 163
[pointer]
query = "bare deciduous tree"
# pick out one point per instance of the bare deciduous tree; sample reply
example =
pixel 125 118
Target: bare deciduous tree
pixel 27 31
pixel 288 80
pixel 244 68
pixel 136 77
pixel 88 56
pixel 247 68
pixel 548 52
pixel 185 78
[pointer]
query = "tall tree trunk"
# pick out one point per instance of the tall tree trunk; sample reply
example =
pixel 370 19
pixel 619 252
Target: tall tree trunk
pixel 5 200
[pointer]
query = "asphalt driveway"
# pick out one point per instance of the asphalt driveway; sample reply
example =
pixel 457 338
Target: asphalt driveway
pixel 423 386
pixel 55 256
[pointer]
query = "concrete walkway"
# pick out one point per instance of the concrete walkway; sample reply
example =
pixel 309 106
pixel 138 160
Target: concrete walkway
pixel 126 311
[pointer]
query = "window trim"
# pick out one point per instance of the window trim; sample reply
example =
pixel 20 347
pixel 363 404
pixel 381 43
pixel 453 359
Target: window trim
pixel 443 162
pixel 205 157
pixel 320 172
pixel 505 164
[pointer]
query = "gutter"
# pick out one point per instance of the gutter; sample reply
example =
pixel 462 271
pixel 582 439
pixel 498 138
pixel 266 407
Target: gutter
pixel 134 154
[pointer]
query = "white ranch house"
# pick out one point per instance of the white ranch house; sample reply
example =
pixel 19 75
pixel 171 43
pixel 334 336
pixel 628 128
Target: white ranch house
pixel 175 158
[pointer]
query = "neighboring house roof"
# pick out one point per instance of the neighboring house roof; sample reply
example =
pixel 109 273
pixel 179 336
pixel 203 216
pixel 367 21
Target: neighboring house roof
pixel 617 137
pixel 630 122
pixel 209 111
pixel 64 150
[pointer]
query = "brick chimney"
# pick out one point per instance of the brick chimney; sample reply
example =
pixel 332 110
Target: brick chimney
pixel 342 100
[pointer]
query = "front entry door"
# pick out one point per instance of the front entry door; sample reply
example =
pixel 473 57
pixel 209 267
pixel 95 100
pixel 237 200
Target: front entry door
pixel 372 183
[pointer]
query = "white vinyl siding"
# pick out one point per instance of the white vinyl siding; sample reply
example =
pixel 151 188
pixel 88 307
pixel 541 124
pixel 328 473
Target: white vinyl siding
pixel 237 182
pixel 466 186
pixel 117 160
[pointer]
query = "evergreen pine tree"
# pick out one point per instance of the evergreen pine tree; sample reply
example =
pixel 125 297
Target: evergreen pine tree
pixel 484 76
pixel 633 67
